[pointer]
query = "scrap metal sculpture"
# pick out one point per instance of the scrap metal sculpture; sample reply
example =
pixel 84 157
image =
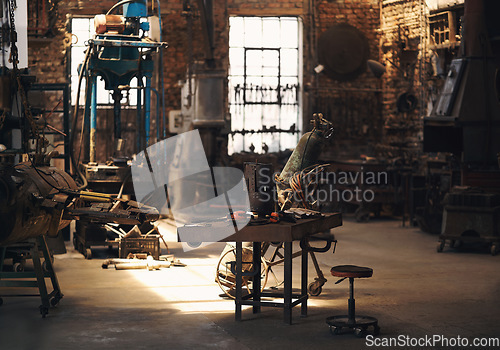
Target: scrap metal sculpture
pixel 302 163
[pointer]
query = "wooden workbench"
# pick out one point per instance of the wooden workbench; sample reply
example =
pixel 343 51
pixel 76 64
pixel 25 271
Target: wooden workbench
pixel 285 232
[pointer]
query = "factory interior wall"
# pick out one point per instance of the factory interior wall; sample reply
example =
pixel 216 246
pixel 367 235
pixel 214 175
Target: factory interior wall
pixel 360 108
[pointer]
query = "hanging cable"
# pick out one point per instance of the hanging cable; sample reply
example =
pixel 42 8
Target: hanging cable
pixel 75 120
pixel 118 4
pixel 164 121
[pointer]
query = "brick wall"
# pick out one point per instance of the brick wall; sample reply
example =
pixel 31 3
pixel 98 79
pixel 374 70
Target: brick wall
pixel 354 106
pixel 403 47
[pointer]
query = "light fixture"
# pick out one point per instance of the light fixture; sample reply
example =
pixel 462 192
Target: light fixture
pixel 376 68
pixel 319 68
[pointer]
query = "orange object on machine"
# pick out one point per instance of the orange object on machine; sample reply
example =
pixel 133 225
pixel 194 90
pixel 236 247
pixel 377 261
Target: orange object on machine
pixel 275 217
pixel 109 24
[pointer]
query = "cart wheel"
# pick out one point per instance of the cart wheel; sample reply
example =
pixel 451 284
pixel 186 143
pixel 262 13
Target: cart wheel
pixel 335 330
pixel 227 280
pixel 44 310
pixel 440 246
pixel 494 249
pixel 315 288
pixel 376 330
pixel 18 267
pixel 55 300
pixel 360 332
pixel 88 253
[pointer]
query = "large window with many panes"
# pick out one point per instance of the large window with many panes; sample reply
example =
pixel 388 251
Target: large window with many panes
pixel 264 83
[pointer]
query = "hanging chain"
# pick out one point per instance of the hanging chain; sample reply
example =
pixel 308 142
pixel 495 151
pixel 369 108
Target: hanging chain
pixel 14 59
pixel 12 5
pixel 2 119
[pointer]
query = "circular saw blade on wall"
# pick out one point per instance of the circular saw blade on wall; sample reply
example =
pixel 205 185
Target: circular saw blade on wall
pixel 343 50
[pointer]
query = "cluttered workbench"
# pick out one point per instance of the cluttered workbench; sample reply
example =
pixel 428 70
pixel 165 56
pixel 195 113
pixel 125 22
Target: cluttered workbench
pixel 287 232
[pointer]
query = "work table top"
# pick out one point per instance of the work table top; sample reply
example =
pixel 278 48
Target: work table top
pixel 274 232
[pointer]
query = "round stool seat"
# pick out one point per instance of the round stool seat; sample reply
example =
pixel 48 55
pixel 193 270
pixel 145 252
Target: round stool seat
pixel 351 271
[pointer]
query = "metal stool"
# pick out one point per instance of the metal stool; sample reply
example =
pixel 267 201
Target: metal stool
pixel 358 324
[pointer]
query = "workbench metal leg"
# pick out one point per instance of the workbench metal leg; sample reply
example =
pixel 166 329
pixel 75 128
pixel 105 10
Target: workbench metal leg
pixel 40 277
pixel 288 283
pixel 303 283
pixel 256 278
pixel 3 252
pixel 239 282
pixel 50 269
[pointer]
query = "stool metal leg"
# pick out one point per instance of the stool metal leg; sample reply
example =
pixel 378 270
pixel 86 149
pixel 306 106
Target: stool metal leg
pixel 351 307
pixel 351 322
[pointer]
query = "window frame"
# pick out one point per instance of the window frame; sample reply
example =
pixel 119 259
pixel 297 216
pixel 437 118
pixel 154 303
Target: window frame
pixel 281 87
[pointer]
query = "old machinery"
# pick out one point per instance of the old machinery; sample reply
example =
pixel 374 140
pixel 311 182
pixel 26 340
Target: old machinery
pixel 259 180
pixel 466 117
pixel 122 50
pixel 40 199
pixel 119 52
pixel 37 199
pixel 466 122
pixel 471 216
pixel 202 106
pixel 25 208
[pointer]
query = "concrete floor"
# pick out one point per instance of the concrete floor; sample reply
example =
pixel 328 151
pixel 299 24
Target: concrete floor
pixel 414 292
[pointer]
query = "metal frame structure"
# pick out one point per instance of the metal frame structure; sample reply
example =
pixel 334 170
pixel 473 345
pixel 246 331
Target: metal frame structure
pixel 21 279
pixel 65 113
pixel 117 73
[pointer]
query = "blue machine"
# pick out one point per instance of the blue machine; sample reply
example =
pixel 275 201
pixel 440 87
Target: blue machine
pixel 118 53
